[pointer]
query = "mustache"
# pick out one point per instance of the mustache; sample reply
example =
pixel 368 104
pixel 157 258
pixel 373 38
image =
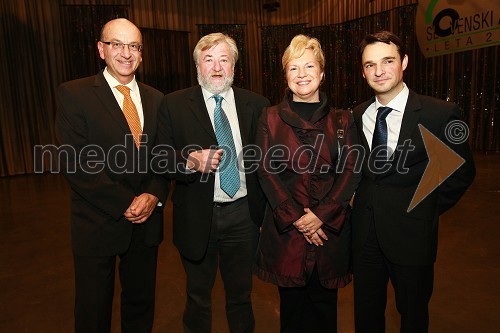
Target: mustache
pixel 206 81
pixel 221 72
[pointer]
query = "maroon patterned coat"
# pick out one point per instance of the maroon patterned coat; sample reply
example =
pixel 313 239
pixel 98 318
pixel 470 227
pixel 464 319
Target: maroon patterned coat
pixel 298 170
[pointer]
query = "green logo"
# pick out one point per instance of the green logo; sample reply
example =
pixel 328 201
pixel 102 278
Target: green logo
pixel 429 11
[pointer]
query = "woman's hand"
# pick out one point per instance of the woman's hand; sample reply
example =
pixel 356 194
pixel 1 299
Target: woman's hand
pixel 316 238
pixel 310 226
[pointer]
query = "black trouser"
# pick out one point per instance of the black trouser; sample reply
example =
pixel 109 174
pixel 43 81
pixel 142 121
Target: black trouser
pixel 94 284
pixel 232 246
pixel 412 286
pixel 312 308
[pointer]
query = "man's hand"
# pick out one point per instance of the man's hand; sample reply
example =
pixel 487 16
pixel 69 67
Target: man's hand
pixel 141 208
pixel 206 160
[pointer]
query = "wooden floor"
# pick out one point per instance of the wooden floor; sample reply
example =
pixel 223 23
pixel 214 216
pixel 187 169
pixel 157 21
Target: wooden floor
pixel 36 272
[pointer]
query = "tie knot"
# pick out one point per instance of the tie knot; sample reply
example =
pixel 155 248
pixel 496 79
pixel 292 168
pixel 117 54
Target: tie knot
pixel 383 112
pixel 218 100
pixel 124 90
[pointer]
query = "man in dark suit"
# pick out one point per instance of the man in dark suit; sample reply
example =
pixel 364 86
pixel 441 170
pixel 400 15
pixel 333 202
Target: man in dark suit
pixel 390 242
pixel 218 205
pixel 116 200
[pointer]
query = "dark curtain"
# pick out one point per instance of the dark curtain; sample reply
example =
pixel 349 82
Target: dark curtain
pixel 343 78
pixel 471 79
pixel 275 39
pixel 237 32
pixel 31 69
pixel 167 60
pixel 81 26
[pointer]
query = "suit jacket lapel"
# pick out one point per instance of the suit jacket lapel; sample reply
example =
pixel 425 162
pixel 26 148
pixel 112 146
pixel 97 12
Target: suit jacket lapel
pixel 358 119
pixel 103 91
pixel 410 118
pixel 149 117
pixel 197 104
pixel 244 115
pixel 409 125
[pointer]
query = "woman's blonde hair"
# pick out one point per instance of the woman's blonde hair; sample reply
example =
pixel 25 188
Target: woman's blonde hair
pixel 299 45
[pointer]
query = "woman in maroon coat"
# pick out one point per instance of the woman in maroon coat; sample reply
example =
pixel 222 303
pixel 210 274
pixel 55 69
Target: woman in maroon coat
pixel 305 240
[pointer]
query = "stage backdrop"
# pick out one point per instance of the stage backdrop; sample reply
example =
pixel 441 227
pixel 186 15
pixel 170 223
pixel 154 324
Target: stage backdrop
pixel 38 54
pixel 471 79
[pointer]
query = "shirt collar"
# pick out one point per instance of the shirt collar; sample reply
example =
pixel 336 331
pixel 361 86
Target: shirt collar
pixel 114 82
pixel 398 103
pixel 227 95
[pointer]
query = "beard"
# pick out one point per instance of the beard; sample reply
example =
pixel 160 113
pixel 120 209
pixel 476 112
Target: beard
pixel 204 81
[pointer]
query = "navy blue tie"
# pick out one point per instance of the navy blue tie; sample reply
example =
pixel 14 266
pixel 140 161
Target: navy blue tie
pixel 228 167
pixel 380 132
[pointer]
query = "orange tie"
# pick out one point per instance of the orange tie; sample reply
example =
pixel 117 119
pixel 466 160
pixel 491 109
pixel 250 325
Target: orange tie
pixel 130 112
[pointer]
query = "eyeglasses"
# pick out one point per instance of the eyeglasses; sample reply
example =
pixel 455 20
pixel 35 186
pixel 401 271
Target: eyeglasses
pixel 120 46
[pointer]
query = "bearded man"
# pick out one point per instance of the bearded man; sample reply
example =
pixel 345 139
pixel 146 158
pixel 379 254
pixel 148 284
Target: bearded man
pixel 218 204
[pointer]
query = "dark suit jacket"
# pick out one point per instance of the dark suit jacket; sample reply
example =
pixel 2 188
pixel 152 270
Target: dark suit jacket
pixel 184 124
pixel 409 238
pixel 91 126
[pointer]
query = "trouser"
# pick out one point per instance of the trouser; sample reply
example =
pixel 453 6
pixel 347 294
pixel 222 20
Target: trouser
pixel 94 285
pixel 412 287
pixel 231 248
pixel 312 308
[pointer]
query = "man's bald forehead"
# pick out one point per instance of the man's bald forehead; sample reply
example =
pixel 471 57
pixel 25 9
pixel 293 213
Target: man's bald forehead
pixel 123 21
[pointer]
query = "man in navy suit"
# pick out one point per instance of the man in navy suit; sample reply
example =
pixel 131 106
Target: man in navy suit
pixel 116 208
pixel 390 242
pixel 214 226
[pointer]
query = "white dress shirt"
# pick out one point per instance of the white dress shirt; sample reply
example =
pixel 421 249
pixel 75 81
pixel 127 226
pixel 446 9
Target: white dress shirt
pixel 134 93
pixel 394 119
pixel 229 107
